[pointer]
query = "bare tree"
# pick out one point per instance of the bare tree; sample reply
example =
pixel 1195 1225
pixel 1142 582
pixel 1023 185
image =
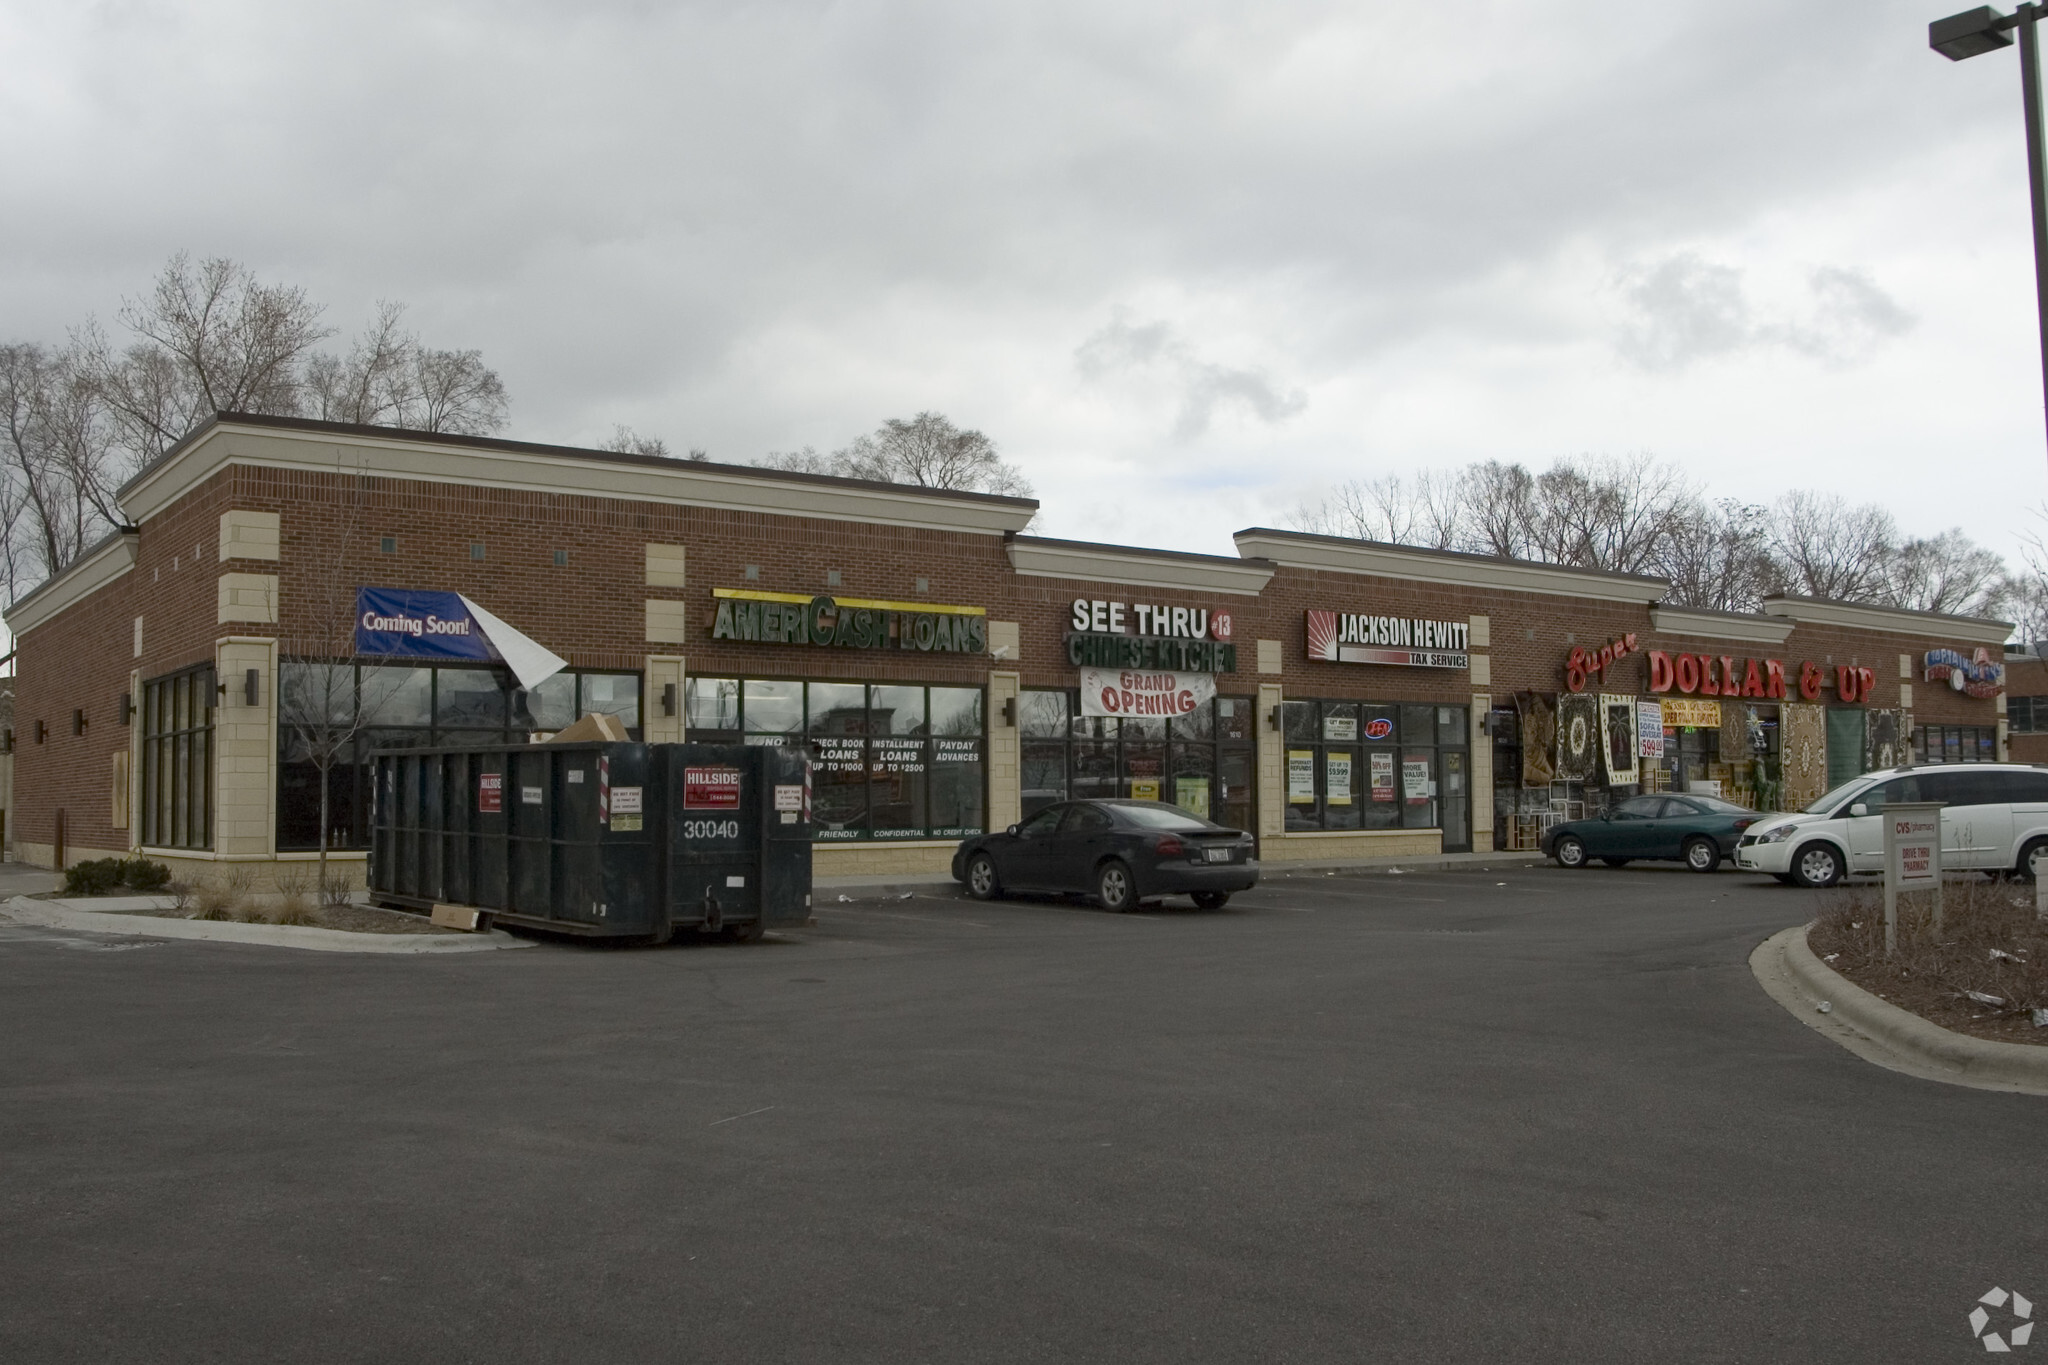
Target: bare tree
pixel 214 339
pixel 1718 557
pixel 1823 547
pixel 1424 510
pixel 626 441
pixel 389 379
pixel 1499 501
pixel 931 452
pixel 1947 573
pixel 209 337
pixel 926 450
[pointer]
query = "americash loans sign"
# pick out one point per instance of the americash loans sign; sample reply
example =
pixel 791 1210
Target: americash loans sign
pixel 1344 638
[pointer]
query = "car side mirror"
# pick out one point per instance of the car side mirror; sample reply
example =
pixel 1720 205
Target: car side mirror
pixel 1859 809
pixel 1011 830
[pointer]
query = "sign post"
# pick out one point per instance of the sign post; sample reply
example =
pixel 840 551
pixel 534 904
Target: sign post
pixel 1912 859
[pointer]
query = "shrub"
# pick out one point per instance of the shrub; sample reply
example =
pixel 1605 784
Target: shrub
pixel 106 876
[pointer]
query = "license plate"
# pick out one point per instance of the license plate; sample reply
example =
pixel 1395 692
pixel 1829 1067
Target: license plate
pixel 1216 855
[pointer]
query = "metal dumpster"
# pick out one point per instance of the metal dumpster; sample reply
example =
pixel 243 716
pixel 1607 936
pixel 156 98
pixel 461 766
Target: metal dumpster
pixel 600 839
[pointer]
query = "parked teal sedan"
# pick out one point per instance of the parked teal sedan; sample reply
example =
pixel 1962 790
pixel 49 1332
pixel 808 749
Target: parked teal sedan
pixel 1689 828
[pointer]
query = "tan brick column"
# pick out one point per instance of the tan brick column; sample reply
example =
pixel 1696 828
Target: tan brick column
pixel 1272 765
pixel 1480 780
pixel 1005 796
pixel 663 670
pixel 245 750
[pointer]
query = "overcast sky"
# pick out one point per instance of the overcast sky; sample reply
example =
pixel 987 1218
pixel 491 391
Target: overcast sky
pixel 1184 262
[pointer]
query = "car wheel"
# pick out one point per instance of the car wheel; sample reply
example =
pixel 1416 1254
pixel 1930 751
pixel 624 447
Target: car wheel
pixel 1570 851
pixel 2033 863
pixel 1817 865
pixel 1615 862
pixel 982 882
pixel 1702 855
pixel 1211 900
pixel 1113 886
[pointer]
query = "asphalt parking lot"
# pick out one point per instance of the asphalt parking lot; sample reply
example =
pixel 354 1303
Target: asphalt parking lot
pixel 1478 1115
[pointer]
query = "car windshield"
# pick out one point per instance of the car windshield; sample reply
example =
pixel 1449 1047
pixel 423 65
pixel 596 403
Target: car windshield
pixel 1716 805
pixel 1162 816
pixel 1835 797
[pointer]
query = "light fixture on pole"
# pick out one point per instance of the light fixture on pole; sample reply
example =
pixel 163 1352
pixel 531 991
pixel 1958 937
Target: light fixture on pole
pixel 1971 34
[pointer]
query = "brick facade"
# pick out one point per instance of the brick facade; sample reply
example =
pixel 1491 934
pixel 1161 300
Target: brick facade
pixel 614 572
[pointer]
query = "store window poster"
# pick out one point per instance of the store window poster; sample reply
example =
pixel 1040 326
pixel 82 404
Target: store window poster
pixel 1337 779
pixel 1191 794
pixel 1382 777
pixel 1301 777
pixel 1415 781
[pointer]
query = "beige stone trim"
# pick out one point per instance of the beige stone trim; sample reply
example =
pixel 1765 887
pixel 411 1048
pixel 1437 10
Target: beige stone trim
pixel 138 637
pixel 1128 566
pixel 2004 752
pixel 1270 657
pixel 1720 625
pixel 1005 790
pixel 114 557
pixel 668 623
pixel 554 469
pixel 1906 694
pixel 1003 641
pixel 1482 628
pixel 245 750
pixel 663 670
pixel 1906 667
pixel 1347 844
pixel 249 535
pixel 248 597
pixel 921 858
pixel 1340 554
pixel 1272 752
pixel 1481 671
pixel 1855 615
pixel 1997 704
pixel 666 566
pixel 119 796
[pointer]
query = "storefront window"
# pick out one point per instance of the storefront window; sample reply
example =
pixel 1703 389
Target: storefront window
pixel 892 760
pixel 1353 765
pixel 1955 744
pixel 177 760
pixel 1201 763
pixel 404 707
pixel 2026 715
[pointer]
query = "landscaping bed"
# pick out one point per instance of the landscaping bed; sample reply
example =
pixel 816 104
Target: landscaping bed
pixel 229 898
pixel 1984 974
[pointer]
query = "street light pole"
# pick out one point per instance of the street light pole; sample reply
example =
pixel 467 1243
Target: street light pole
pixel 1982 30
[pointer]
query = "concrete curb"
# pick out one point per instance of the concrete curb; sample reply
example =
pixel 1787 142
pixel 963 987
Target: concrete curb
pixel 1881 1032
pixel 52 915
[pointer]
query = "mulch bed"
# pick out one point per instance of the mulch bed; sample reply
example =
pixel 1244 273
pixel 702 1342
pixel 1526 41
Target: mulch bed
pixel 1990 943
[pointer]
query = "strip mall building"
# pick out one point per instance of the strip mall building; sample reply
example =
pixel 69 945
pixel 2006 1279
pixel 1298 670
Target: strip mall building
pixel 947 671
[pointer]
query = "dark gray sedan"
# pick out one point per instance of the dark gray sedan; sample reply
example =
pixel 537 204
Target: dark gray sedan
pixel 1120 852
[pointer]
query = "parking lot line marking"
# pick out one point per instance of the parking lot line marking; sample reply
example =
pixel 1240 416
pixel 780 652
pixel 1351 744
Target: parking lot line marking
pixel 749 1114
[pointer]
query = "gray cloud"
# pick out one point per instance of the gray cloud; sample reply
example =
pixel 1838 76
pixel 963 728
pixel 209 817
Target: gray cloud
pixel 1685 310
pixel 1200 387
pixel 758 226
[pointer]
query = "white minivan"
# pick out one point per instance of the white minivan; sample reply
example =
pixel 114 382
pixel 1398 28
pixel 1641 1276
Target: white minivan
pixel 1994 817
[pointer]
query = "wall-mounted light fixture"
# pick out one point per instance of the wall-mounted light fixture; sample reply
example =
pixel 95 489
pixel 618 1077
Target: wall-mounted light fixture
pixel 78 721
pixel 251 685
pixel 127 707
pixel 1273 720
pixel 1010 712
pixel 42 732
pixel 668 699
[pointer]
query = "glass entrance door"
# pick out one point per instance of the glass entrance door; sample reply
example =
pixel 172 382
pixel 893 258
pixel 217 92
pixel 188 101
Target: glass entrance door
pixel 1457 804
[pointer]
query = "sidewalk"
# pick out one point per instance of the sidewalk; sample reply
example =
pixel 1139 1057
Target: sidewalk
pixel 931 884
